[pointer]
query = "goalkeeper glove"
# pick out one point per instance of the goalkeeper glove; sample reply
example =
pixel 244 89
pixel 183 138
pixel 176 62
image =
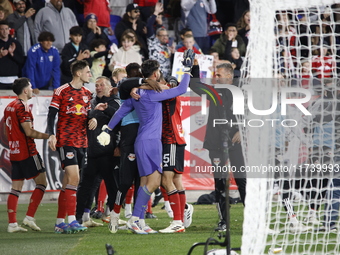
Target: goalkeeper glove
pixel 188 60
pixel 104 137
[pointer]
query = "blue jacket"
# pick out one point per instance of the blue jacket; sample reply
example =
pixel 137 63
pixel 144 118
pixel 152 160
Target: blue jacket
pixel 41 66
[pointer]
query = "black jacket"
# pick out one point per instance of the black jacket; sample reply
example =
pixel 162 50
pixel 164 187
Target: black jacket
pixel 103 118
pixel 11 65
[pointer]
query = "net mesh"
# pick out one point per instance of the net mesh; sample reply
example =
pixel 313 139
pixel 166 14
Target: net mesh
pixel 292 159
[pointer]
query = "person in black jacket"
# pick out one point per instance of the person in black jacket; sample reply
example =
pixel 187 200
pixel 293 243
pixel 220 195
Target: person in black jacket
pixel 92 31
pixel 222 141
pixel 72 51
pixel 101 159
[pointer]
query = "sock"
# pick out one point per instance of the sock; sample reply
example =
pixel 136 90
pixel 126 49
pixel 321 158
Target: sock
pixel 101 196
pixel 165 195
pixel 289 207
pixel 61 207
pixel 183 201
pixel 12 204
pixel 117 206
pixel 142 200
pixel 71 218
pixel 149 210
pixel 35 200
pixel 129 195
pixel 107 210
pixel 71 201
pixel 86 215
pixel 175 204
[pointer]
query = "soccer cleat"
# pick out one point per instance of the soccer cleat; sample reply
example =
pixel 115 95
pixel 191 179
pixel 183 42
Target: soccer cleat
pixel 135 227
pixel 149 230
pixel 330 229
pixel 311 220
pixel 13 228
pixel 122 222
pixel 106 219
pixel 75 227
pixel 97 214
pixel 298 228
pixel 91 223
pixel 221 227
pixel 31 224
pixel 114 222
pixel 188 216
pixel 62 228
pixel 150 216
pixel 173 228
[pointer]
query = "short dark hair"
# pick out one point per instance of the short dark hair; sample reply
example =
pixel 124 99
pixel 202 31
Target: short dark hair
pixel 149 66
pixel 20 84
pixel 78 65
pixel 96 43
pixel 133 70
pixel 76 30
pixel 184 31
pixel 46 36
pixel 229 25
pixel 4 22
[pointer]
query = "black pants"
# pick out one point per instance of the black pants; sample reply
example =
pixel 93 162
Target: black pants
pixel 97 168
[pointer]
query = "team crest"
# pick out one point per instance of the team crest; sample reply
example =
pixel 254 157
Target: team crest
pixel 70 155
pixel 50 58
pixel 85 99
pixel 131 157
pixel 216 161
pixel 199 119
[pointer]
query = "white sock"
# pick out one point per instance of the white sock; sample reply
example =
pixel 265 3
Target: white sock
pixel 29 217
pixel 134 218
pixel 127 209
pixel 86 216
pixel 60 220
pixel 177 222
pixel 71 218
pixel 142 223
pixel 13 225
pixel 293 220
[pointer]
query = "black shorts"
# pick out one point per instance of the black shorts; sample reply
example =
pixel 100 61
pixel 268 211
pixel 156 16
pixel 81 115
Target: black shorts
pixel 173 158
pixel 72 156
pixel 28 168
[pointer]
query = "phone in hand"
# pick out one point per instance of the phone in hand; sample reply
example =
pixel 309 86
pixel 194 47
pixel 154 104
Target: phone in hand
pixel 171 41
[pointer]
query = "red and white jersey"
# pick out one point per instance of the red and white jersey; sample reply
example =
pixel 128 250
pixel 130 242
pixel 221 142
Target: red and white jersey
pixel 323 67
pixel 73 106
pixel 21 146
pixel 172 131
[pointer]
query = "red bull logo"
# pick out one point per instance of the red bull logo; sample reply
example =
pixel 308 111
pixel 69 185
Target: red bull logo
pixel 77 109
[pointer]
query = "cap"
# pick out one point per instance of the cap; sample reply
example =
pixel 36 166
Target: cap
pixel 131 7
pixel 90 16
pixel 17 1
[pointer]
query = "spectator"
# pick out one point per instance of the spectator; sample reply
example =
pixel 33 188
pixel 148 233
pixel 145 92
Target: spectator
pixel 6 7
pixel 42 66
pixel 125 54
pixel 11 57
pixel 232 54
pixel 3 13
pixel 186 31
pixel 74 50
pixel 117 75
pixel 131 20
pixel 99 53
pixel 138 46
pixel 21 21
pixel 57 19
pixel 158 43
pixel 243 26
pixel 101 9
pixel 195 15
pixel 146 8
pixel 229 36
pixel 324 65
pixel 189 43
pixel 93 31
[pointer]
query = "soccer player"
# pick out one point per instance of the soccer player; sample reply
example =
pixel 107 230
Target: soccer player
pixel 26 161
pixel 72 103
pixel 148 145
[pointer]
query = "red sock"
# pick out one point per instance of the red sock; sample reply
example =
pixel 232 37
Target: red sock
pixel 12 204
pixel 165 194
pixel 183 199
pixel 116 208
pixel 61 205
pixel 129 195
pixel 71 199
pixel 149 210
pixel 175 204
pixel 35 200
pixel 101 196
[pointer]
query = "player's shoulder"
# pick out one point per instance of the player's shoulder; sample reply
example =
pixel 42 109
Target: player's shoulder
pixel 62 89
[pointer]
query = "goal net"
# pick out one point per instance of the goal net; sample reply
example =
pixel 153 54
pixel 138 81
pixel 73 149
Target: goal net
pixel 290 128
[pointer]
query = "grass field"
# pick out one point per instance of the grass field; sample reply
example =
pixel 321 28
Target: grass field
pixel 93 241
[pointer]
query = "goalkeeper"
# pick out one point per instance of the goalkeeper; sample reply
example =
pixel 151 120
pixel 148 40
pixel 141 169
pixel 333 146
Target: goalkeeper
pixel 148 146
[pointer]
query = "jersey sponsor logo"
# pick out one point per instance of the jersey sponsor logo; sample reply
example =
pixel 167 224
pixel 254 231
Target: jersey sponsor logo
pixel 70 155
pixel 77 109
pixel 216 161
pixel 131 157
pixel 85 99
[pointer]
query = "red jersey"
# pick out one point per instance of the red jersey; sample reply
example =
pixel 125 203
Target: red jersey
pixel 182 49
pixel 101 9
pixel 73 106
pixel 323 67
pixel 21 146
pixel 172 123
